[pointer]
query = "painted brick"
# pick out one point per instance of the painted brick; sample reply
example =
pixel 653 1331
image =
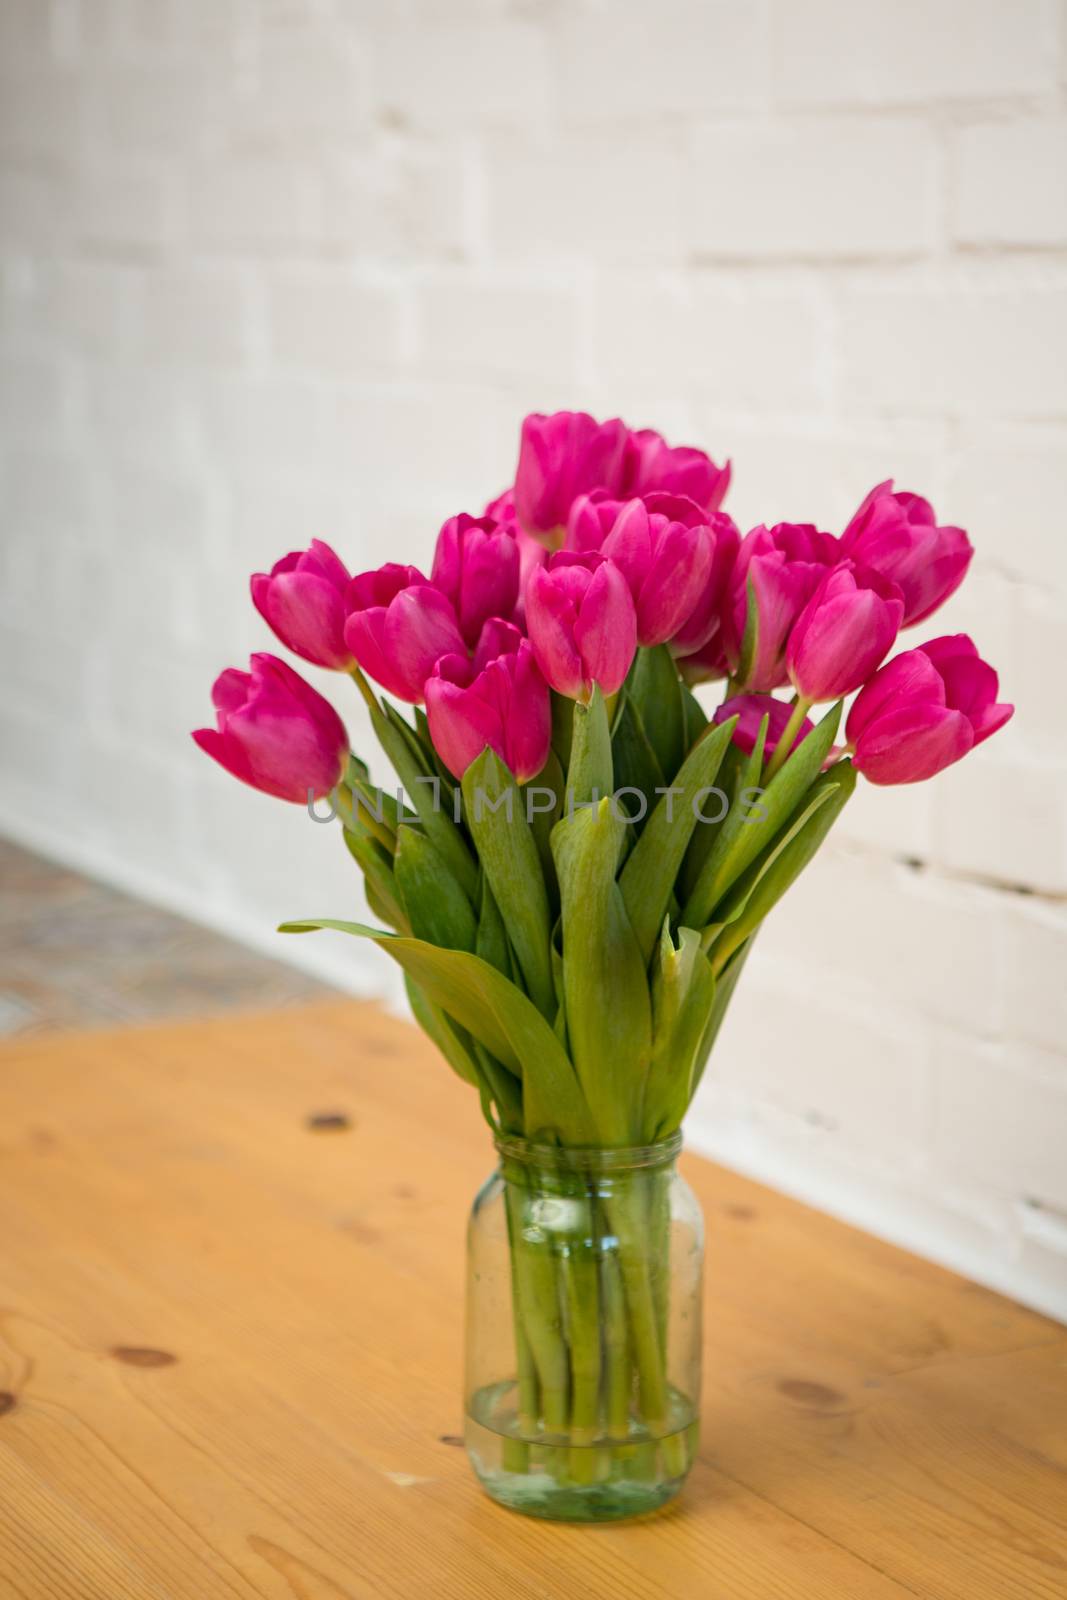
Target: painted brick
pixel 1036 964
pixel 818 188
pixel 732 341
pixel 451 73
pixel 1008 183
pixel 617 64
pixel 594 195
pixel 1001 1124
pixel 1007 485
pixel 330 323
pixel 863 52
pixel 977 352
pixel 194 318
pixel 504 330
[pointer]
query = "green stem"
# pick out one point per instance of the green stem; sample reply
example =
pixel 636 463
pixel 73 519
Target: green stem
pixel 535 1273
pixel 626 1214
pixel 364 688
pixel 618 1372
pixel 581 1283
pixel 529 1395
pixel 800 710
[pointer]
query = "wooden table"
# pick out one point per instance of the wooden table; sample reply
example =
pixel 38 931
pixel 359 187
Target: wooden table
pixel 230 1353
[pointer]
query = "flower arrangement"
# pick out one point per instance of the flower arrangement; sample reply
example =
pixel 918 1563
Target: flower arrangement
pixel 581 857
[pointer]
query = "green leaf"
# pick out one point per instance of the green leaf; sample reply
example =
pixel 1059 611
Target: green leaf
pixel 496 816
pixel 648 876
pixel 542 821
pixel 740 841
pixel 787 861
pixel 404 751
pixel 562 727
pixel 725 985
pixel 656 691
pixel 609 1022
pixel 750 642
pixel 454 1043
pixel 683 992
pixel 371 814
pixel 376 865
pixel 729 779
pixel 437 908
pixel 499 1016
pixel 492 940
pixel 589 773
pixel 634 761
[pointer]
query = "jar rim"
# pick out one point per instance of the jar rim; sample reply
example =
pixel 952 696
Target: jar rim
pixel 589 1158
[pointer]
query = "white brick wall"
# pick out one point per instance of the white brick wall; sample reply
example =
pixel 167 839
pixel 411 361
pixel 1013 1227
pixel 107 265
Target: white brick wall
pixel 296 268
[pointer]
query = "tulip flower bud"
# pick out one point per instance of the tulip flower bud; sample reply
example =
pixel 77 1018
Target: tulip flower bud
pixel 582 624
pixel 399 626
pixel 923 711
pixel 666 562
pixel 476 564
pixel 303 600
pixel 651 464
pixel 560 457
pixel 897 535
pixel 750 710
pixel 844 631
pixel 703 626
pixel 780 567
pixel 275 731
pixel 504 705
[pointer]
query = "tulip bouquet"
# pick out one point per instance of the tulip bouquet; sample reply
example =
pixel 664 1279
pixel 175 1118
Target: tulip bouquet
pixel 580 856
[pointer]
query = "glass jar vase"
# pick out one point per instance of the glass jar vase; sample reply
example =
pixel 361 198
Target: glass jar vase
pixel 583 1339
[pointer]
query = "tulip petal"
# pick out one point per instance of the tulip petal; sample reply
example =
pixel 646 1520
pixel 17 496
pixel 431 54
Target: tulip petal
pixel 912 744
pixel 605 631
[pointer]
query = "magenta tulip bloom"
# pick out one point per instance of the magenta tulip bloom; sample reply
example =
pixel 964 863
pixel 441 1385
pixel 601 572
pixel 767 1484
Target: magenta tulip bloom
pixel 702 629
pixel 582 623
pixel 651 464
pixel 783 566
pixel 497 638
pixel 505 705
pixel 750 710
pixel 476 564
pixel 399 626
pixel 303 600
pixel 275 731
pixel 843 633
pixel 661 545
pixel 924 710
pixel 560 457
pixel 898 536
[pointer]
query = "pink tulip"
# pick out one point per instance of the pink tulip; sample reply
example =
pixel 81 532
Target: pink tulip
pixel 399 626
pixel 502 509
pixel 704 625
pixel 476 564
pixel 504 704
pixel 783 565
pixel 924 710
pixel 897 535
pixel 303 600
pixel 582 623
pixel 844 631
pixel 275 731
pixel 497 638
pixel 650 464
pixel 750 710
pixel 560 457
pixel 663 548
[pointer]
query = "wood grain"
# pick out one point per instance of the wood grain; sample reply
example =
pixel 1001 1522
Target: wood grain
pixel 230 1329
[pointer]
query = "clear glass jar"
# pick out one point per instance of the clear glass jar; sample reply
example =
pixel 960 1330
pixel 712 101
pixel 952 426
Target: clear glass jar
pixel 583 1341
